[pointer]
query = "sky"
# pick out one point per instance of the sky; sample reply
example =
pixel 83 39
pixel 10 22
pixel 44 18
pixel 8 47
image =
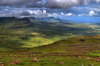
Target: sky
pixel 82 10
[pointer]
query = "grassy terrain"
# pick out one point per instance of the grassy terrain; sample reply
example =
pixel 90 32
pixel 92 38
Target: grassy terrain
pixel 81 40
pixel 19 36
pixel 17 33
pixel 82 51
pixel 20 33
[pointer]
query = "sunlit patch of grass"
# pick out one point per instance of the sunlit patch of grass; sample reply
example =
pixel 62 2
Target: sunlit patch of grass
pixel 94 54
pixel 38 41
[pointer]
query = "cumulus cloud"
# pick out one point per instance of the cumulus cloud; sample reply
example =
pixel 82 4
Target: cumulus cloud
pixel 47 3
pixel 20 2
pixel 84 2
pixel 92 13
pixel 69 3
pixel 97 1
pixel 92 9
pixel 23 12
pixel 61 3
pixel 69 14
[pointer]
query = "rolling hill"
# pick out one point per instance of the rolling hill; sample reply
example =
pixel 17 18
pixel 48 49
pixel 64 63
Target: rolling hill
pixel 83 50
pixel 55 43
pixel 30 32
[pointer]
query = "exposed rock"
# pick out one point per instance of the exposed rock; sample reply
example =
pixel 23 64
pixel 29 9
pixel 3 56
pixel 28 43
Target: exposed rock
pixel 61 62
pixel 35 59
pixel 55 60
pixel 82 65
pixel 92 65
pixel 96 59
pixel 17 61
pixel 88 58
pixel 1 64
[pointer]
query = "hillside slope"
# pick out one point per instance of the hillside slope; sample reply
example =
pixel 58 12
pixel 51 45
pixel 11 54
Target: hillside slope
pixel 23 32
pixel 83 50
pixel 81 40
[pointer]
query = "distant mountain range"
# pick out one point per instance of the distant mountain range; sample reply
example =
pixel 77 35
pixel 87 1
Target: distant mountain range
pixel 52 19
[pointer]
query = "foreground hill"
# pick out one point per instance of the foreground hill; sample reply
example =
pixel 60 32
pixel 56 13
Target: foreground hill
pixel 81 51
pixel 81 40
